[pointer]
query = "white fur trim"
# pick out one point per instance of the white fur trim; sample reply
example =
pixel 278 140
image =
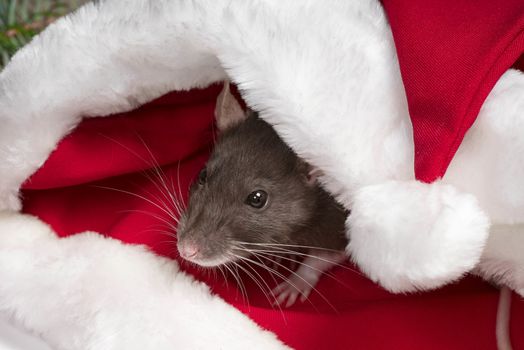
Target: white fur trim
pixel 90 292
pixel 411 235
pixel 490 161
pixel 332 89
pixel 78 67
pixel 503 258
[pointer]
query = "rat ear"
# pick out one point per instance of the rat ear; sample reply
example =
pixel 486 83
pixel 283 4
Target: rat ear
pixel 228 111
pixel 309 173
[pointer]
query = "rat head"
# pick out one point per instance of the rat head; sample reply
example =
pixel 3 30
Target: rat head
pixel 253 190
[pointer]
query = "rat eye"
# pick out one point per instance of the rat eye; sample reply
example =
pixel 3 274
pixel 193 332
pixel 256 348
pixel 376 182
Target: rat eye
pixel 202 176
pixel 257 199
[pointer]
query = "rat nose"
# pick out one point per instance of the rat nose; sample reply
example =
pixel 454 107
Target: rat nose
pixel 188 250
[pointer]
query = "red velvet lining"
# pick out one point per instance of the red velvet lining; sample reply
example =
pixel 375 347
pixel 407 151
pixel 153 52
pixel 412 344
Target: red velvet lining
pixel 69 193
pixel 450 57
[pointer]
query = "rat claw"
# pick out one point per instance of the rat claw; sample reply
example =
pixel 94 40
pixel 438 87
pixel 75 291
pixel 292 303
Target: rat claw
pixel 305 295
pixel 288 291
pixel 292 298
pixel 281 298
pixel 300 284
pixel 278 289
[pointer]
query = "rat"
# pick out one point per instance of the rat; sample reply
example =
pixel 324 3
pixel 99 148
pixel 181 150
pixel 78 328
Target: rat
pixel 256 196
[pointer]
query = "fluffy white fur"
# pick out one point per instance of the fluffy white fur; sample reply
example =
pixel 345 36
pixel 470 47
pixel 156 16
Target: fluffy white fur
pixel 490 161
pixel 435 253
pixel 331 88
pixel 502 260
pixel 90 292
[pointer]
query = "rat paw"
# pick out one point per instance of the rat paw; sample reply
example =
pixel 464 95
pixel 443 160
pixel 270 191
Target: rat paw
pixel 275 263
pixel 278 262
pixel 292 289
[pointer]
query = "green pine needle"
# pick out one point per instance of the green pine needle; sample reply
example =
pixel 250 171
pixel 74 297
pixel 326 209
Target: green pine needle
pixel 20 20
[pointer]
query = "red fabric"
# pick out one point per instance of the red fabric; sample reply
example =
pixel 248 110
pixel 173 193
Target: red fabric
pixel 71 193
pixel 451 53
pixel 450 58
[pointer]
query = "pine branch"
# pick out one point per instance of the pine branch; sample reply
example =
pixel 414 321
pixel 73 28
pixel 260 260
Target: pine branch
pixel 20 20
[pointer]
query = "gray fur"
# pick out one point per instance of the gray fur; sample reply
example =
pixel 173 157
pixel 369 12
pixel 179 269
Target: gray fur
pixel 248 157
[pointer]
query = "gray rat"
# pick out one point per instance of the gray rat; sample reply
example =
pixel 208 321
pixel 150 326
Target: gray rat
pixel 256 195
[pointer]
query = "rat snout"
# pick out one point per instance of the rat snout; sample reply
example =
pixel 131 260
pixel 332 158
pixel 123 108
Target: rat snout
pixel 204 252
pixel 204 246
pixel 188 249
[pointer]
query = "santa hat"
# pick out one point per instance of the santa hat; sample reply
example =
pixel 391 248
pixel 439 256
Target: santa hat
pixel 404 234
pixel 420 235
pixel 450 58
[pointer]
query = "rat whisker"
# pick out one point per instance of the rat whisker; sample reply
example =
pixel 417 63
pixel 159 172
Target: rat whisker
pixel 267 292
pixel 257 282
pixel 326 273
pixel 168 201
pixel 165 227
pixel 309 284
pixel 292 252
pixel 267 268
pixel 284 278
pixel 155 168
pixel 165 233
pixel 175 198
pixel 274 272
pixel 143 198
pixel 241 285
pixel 230 270
pixel 183 206
pixel 168 223
pixel 261 264
pixel 158 182
pixel 241 258
pixel 158 169
pixel 257 256
pixel 288 245
pixel 170 242
pixel 267 260
pixel 304 280
pixel 271 270
pixel 223 275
